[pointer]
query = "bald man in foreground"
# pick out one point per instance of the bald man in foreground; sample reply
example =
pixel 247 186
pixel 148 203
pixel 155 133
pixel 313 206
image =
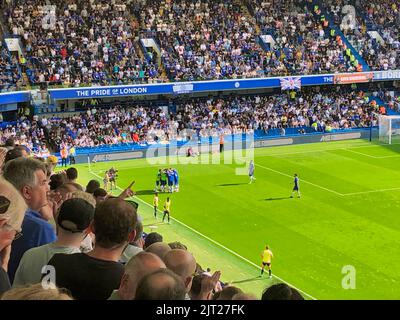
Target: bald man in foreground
pixel 136 269
pixel 159 248
pixel 162 284
pixel 183 264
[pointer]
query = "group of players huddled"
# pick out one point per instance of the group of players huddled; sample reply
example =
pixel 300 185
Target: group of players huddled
pixel 167 180
pixel 110 179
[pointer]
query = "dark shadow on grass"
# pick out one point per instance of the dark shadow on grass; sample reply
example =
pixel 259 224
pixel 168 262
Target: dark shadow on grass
pixel 154 224
pixel 230 184
pixel 273 199
pixel 248 280
pixel 144 192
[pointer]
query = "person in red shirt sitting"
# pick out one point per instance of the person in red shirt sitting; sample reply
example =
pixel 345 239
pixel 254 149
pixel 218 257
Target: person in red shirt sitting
pixel 135 137
pixel 64 53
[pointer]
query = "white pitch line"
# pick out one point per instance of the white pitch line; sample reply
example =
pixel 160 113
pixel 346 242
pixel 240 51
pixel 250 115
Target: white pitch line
pixel 371 191
pixel 361 153
pixel 385 157
pixel 374 157
pixel 304 181
pixel 340 194
pixel 218 244
pixel 327 150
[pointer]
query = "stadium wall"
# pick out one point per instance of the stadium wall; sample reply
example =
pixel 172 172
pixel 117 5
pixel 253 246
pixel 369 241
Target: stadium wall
pixel 161 151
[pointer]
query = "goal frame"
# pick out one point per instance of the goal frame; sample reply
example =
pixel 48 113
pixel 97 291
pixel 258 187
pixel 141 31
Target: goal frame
pixel 386 128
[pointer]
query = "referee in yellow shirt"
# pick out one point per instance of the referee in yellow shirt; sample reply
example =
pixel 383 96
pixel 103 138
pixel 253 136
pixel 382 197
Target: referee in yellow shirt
pixel 266 256
pixel 167 207
pixel 155 203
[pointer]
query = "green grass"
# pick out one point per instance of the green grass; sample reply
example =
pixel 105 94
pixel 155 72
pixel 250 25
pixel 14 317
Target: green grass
pixel 348 215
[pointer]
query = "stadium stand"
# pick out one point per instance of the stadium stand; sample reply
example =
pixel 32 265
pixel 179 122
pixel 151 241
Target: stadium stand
pixel 9 70
pixel 375 33
pixel 198 45
pixel 305 42
pixel 134 125
pixel 99 43
pixel 91 43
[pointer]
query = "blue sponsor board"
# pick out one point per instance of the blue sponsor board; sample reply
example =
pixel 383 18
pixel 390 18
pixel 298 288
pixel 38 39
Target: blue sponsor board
pixel 113 91
pixel 181 87
pixel 15 97
pixel 202 86
pixel 184 87
pixel 387 75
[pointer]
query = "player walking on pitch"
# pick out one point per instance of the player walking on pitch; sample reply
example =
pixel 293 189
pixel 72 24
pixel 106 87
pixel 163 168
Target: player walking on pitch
pixel 106 179
pixel 266 256
pixel 251 172
pixel 296 186
pixel 155 204
pixel 167 207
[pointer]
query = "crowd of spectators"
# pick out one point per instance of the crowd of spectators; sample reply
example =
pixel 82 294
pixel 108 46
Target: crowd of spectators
pixel 9 72
pixel 385 16
pixel 204 39
pixel 91 42
pixel 392 100
pixel 382 52
pixel 93 249
pixel 305 42
pixel 195 118
pixel 319 110
pixel 28 133
pixel 98 42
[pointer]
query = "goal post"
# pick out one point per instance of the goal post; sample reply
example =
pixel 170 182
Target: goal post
pixel 389 129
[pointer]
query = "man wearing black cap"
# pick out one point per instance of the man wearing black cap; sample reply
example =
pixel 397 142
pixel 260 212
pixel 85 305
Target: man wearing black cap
pixel 73 222
pixel 94 275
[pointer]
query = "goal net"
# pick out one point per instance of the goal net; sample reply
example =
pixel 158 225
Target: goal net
pixel 389 129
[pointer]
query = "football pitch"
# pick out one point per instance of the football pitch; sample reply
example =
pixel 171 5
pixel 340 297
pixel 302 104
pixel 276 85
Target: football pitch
pixel 348 216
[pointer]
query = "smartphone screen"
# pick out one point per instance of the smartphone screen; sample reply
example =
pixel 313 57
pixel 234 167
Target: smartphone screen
pixel 133 203
pixel 4 204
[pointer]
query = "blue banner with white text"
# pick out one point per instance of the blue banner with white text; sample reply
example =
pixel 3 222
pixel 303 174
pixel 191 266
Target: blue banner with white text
pixel 15 97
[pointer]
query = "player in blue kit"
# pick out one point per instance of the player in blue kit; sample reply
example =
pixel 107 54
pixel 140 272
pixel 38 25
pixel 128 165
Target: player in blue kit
pixel 296 186
pixel 170 176
pixel 176 179
pixel 251 172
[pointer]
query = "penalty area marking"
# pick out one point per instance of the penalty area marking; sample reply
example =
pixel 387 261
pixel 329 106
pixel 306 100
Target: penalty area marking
pixel 328 150
pixel 371 191
pixel 310 183
pixel 216 243
pixel 373 157
pixel 329 190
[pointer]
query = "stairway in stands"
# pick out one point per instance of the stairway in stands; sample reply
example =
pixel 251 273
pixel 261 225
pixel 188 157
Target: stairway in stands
pixel 26 81
pixel 365 66
pixel 4 33
pixel 246 13
pixel 138 48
